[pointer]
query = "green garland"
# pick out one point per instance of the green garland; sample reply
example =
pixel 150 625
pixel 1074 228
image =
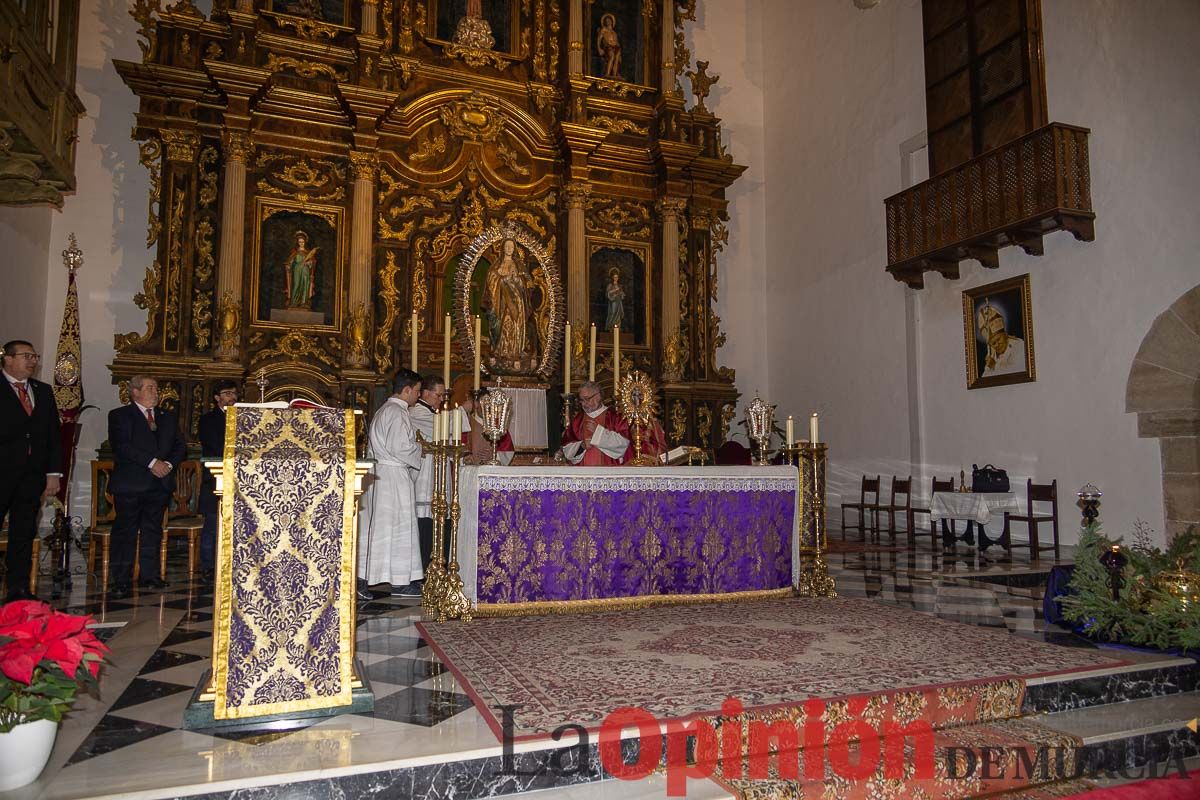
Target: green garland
pixel 1144 615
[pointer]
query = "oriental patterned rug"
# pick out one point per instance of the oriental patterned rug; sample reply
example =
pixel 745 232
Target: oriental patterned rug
pixel 678 662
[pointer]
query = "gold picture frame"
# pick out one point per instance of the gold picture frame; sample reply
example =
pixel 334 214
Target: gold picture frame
pixel 279 224
pixel 998 333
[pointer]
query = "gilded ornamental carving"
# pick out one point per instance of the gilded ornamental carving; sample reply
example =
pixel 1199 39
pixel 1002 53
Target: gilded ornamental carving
pixel 388 163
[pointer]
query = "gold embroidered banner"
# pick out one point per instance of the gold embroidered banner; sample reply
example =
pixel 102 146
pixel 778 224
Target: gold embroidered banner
pixel 284 623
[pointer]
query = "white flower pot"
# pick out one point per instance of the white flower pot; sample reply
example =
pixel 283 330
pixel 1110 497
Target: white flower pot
pixel 24 752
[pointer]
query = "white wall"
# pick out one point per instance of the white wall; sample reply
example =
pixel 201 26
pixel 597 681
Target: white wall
pixel 108 216
pixel 728 34
pixel 843 89
pixel 25 234
pixel 843 92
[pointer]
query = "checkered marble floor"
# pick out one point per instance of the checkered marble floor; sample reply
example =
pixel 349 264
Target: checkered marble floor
pixel 130 739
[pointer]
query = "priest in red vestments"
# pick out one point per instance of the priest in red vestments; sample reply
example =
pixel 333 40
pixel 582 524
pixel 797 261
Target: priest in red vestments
pixel 598 436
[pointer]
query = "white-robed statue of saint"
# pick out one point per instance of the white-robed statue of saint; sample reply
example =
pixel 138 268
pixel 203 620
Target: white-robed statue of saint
pixel 388 550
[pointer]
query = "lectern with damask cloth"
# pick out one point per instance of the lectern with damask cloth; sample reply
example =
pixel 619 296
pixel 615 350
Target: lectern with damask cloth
pixel 283 621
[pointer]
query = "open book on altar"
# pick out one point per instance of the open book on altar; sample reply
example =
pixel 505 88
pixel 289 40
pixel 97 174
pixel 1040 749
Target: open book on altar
pixel 676 456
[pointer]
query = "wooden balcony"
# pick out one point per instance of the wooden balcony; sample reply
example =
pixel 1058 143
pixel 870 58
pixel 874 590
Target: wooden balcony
pixel 1013 195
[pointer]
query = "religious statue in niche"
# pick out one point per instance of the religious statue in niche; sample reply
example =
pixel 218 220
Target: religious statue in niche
pixel 608 45
pixel 617 38
pixel 617 290
pixel 616 301
pixel 509 305
pixel 297 265
pixel 506 276
pixel 299 274
pixel 466 21
pixel 999 333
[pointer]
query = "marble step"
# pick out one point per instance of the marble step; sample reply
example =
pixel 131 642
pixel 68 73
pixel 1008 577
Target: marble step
pixel 1149 676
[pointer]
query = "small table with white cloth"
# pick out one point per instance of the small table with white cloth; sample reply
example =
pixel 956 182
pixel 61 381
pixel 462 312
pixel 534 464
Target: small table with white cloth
pixel 977 508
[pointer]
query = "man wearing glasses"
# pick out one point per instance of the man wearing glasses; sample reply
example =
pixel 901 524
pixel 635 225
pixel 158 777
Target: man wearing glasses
pixel 30 458
pixel 147 445
pixel 212 445
pixel 598 436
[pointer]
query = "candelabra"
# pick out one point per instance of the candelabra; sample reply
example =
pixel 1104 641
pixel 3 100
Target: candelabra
pixel 455 604
pixel 433 591
pixel 810 461
pixel 760 417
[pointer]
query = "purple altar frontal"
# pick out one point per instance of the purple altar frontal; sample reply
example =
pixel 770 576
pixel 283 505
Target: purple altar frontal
pixel 545 539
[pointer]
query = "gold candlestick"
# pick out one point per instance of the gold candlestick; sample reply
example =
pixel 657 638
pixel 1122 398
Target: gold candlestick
pixel 814 580
pixel 455 604
pixel 433 592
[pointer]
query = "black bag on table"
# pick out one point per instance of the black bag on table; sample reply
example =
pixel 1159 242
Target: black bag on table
pixel 988 479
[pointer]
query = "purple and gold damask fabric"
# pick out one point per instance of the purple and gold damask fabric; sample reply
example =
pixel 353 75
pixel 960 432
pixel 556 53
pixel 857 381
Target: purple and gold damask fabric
pixel 283 625
pixel 556 538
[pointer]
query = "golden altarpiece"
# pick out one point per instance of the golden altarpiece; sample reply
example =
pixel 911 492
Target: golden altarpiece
pixel 326 175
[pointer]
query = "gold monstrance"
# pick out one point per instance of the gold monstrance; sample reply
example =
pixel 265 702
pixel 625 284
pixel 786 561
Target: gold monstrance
pixel 635 398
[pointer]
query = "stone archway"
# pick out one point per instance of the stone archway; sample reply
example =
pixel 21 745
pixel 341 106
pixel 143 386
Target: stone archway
pixel 1164 391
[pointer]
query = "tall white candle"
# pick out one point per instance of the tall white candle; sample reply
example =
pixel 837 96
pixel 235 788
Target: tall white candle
pixel 616 356
pixel 478 342
pixel 446 355
pixel 457 425
pixel 791 431
pixel 567 360
pixel 412 336
pixel 437 426
pixel 592 356
pixel 812 428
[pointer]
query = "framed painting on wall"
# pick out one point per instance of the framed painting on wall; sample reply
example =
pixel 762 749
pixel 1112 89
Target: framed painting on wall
pixel 298 256
pixel 619 288
pixel 998 333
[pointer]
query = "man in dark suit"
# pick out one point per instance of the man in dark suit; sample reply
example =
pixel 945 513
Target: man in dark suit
pixel 212 445
pixel 147 445
pixel 30 458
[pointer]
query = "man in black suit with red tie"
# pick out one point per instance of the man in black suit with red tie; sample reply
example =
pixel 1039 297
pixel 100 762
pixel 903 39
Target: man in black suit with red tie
pixel 147 446
pixel 30 458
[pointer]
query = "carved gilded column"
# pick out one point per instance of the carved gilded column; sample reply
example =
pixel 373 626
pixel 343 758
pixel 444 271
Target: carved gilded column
pixel 237 147
pixel 668 47
pixel 669 209
pixel 358 328
pixel 370 11
pixel 577 194
pixel 575 38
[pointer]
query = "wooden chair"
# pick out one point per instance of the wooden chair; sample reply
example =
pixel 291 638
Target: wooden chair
pixel 869 486
pixel 1039 493
pixel 182 517
pixel 103 514
pixel 937 486
pixel 36 551
pixel 899 487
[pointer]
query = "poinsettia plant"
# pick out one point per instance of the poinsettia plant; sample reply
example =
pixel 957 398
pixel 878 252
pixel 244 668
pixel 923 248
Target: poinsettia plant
pixel 46 657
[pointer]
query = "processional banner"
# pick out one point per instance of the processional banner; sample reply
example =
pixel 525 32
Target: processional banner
pixel 284 623
pixel 626 537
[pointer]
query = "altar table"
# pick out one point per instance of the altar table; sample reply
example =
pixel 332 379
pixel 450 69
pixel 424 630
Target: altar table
pixel 538 539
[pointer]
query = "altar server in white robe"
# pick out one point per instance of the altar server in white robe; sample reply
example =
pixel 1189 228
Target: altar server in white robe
pixel 388 550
